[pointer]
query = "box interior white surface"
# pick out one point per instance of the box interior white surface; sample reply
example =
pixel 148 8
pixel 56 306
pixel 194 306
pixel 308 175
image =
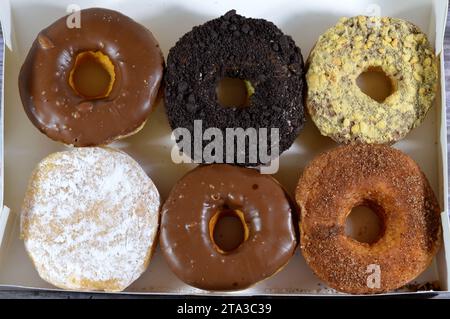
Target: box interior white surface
pixel 168 20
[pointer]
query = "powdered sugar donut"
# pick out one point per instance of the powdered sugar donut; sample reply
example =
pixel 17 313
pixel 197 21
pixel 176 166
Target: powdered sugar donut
pixel 89 219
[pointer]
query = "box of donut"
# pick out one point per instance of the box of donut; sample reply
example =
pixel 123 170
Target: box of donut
pixel 224 147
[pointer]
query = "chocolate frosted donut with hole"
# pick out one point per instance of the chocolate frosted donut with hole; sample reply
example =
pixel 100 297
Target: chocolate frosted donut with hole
pixel 233 49
pixel 91 85
pixel 393 186
pixel 343 56
pixel 226 227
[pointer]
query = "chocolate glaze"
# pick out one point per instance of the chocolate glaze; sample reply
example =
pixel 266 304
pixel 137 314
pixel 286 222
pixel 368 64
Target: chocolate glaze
pixel 185 238
pixel 56 109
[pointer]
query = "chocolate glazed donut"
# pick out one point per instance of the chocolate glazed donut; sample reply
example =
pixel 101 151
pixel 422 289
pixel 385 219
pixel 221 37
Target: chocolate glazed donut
pixel 128 52
pixel 190 214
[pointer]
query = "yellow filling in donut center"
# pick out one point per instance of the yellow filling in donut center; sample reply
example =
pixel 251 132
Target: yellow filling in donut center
pixel 376 84
pixel 228 230
pixel 93 75
pixel 365 223
pixel 234 92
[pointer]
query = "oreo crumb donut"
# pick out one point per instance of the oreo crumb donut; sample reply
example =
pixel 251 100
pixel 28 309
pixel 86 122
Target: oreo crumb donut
pixel 90 219
pixel 253 50
pixel 190 216
pixel 393 186
pixel 337 105
pixel 91 85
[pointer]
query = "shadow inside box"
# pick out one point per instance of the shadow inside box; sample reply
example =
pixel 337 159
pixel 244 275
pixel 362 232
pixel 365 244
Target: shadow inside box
pixel 151 147
pixel 37 16
pixel 419 13
pixel 171 24
pixel 306 28
pixel 307 145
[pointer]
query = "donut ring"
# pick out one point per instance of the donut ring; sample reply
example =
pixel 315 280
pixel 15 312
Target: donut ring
pixel 189 214
pixel 340 109
pixel 90 219
pixel 129 53
pixel 250 49
pixel 377 176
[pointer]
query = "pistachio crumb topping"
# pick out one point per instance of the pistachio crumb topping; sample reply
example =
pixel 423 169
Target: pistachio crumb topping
pixel 336 104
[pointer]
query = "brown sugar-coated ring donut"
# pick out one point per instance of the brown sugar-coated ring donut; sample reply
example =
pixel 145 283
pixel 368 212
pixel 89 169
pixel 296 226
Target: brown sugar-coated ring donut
pixel 191 210
pixel 391 183
pixel 126 49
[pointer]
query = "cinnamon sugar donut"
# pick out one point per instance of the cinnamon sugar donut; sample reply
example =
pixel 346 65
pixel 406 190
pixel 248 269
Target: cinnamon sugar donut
pixel 89 219
pixel 375 176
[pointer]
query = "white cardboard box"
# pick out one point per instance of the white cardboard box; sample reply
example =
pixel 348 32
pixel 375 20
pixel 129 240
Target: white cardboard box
pixel 24 146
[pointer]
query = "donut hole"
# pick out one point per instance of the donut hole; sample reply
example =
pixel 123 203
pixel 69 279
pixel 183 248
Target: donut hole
pixel 228 230
pixel 376 84
pixel 234 92
pixel 365 223
pixel 92 75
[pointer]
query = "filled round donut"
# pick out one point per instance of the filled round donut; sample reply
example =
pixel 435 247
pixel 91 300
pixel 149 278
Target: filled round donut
pixel 340 109
pixel 197 252
pixel 236 47
pixel 389 182
pixel 92 84
pixel 90 219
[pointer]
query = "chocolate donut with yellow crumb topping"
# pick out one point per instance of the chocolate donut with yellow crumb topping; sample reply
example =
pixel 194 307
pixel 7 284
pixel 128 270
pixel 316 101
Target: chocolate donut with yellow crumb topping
pixel 354 45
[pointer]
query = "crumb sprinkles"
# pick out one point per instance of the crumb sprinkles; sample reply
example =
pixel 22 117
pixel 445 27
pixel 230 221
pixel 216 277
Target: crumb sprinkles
pixel 336 104
pixel 344 177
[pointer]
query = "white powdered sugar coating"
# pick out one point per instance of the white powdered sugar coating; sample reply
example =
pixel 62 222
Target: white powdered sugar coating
pixel 89 219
